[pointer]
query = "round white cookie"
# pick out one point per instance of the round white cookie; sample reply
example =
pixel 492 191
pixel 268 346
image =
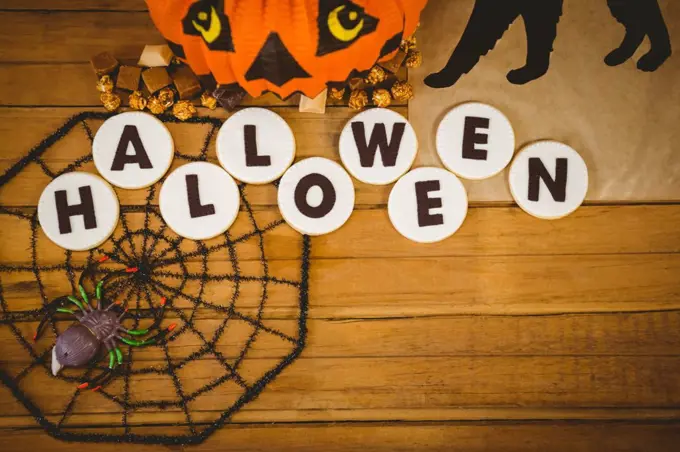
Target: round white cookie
pixel 427 205
pixel 475 141
pixel 378 146
pixel 316 196
pixel 78 211
pixel 255 145
pixel 199 200
pixel 548 179
pixel 133 150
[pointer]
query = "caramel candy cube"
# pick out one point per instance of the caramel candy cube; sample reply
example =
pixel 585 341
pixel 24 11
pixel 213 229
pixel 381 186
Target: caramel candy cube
pixel 128 78
pixel 156 78
pixel 103 63
pixel 186 82
pixel 395 63
pixel 316 105
pixel 155 56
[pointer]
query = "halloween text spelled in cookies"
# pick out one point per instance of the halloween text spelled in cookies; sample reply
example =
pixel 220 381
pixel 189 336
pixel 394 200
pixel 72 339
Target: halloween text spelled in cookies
pixel 200 200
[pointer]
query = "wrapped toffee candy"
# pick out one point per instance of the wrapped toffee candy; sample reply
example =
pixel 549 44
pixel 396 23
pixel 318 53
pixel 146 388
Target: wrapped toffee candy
pixel 186 82
pixel 111 101
pixel 103 63
pixel 382 98
pixel 402 91
pixel 414 59
pixel 183 110
pixel 128 78
pixel 166 96
pixel 208 101
pixel 395 63
pixel 376 75
pixel 336 93
pixel 156 78
pixel 229 96
pixel 358 99
pixel 137 100
pixel 155 106
pixel 155 56
pixel 105 84
pixel 315 105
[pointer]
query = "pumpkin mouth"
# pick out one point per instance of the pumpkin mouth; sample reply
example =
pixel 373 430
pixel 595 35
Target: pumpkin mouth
pixel 275 63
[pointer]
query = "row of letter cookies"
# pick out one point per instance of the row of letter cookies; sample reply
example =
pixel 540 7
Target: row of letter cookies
pixel 200 200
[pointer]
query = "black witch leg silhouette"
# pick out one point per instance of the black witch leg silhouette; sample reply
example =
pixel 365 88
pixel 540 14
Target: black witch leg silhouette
pixel 541 28
pixel 488 22
pixel 640 18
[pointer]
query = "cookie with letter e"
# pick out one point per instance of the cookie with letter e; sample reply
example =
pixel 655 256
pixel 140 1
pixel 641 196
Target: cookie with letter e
pixel 475 141
pixel 548 179
pixel 427 205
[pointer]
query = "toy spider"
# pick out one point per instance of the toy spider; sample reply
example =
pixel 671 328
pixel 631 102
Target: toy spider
pixel 98 325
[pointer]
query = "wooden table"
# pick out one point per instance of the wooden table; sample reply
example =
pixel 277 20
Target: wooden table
pixel 515 334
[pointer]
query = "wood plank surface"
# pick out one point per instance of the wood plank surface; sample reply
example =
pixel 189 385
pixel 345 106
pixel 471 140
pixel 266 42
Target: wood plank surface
pixel 583 335
pixel 515 334
pixel 487 231
pixel 390 437
pixel 397 383
pixel 415 286
pixel 74 5
pixel 79 34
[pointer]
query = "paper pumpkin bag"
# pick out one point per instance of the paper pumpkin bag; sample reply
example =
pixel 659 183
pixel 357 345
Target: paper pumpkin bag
pixel 284 46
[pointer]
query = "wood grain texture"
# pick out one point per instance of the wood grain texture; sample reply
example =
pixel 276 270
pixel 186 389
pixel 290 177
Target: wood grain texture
pixel 479 436
pixel 515 334
pixel 79 34
pixel 496 231
pixel 74 5
pixel 416 286
pixel 583 335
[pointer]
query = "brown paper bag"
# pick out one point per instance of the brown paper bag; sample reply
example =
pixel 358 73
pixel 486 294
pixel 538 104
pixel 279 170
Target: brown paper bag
pixel 624 122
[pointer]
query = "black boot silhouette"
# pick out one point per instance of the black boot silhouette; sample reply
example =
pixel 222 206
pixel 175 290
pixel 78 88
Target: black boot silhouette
pixel 488 22
pixel 640 18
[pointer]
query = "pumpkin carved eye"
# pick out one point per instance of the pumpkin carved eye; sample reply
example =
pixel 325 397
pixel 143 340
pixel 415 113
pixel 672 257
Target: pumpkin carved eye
pixel 206 18
pixel 341 23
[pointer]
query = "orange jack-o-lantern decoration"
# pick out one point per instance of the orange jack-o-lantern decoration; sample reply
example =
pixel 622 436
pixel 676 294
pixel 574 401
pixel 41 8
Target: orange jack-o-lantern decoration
pixel 284 46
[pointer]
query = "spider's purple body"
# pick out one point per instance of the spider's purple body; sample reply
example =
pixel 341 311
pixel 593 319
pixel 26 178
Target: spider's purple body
pixel 96 325
pixel 81 341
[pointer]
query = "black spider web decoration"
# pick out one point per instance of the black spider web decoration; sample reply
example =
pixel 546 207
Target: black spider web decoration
pixel 169 266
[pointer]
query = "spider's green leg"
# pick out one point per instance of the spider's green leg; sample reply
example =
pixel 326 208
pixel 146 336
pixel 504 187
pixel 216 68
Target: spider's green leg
pixel 104 377
pixel 134 343
pixel 49 310
pixel 98 290
pixel 76 302
pixel 137 332
pixel 119 355
pixel 112 359
pixel 158 338
pixel 83 294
